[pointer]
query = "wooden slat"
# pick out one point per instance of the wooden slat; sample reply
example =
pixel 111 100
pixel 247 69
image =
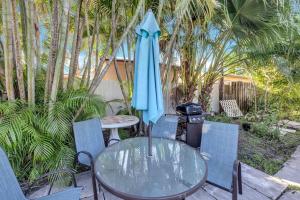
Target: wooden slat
pixel 240 91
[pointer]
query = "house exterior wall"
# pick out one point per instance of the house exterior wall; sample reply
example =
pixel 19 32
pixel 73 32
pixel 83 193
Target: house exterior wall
pixel 110 89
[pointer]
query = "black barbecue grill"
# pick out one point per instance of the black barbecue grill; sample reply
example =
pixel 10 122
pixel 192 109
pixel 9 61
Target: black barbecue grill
pixel 191 117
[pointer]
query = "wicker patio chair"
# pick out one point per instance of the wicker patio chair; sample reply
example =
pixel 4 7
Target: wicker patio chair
pixel 89 143
pixel 165 127
pixel 219 146
pixel 11 190
pixel 231 108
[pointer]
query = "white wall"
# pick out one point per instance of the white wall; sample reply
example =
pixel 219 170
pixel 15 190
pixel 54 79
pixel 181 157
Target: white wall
pixel 110 90
pixel 214 98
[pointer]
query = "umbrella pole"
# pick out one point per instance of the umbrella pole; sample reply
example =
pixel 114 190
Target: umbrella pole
pixel 150 139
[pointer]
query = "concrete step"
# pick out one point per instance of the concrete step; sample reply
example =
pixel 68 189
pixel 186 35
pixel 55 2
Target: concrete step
pixel 290 172
pixel 290 195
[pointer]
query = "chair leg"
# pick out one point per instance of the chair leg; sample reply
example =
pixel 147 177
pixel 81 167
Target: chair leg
pixel 240 178
pixel 92 170
pixel 234 190
pixel 94 183
pixel 235 180
pixel 99 187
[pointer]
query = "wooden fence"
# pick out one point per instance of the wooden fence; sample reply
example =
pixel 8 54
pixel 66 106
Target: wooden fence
pixel 242 92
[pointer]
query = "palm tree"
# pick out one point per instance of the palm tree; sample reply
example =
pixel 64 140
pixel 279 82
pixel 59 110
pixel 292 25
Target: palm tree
pixel 59 61
pixel 17 51
pixel 8 49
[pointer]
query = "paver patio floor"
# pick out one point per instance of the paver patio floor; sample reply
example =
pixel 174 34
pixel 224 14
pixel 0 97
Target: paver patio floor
pixel 256 186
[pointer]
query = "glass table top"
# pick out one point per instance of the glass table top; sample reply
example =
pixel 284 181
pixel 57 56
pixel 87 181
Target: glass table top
pixel 175 169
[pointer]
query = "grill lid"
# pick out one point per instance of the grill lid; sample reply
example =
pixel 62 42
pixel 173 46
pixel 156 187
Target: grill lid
pixel 189 109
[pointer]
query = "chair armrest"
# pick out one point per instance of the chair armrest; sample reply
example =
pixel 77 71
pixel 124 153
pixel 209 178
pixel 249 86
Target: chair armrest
pixel 60 171
pixel 113 139
pixel 236 179
pixel 76 160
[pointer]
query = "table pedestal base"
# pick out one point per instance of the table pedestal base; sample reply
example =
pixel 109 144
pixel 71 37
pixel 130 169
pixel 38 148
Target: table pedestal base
pixel 114 134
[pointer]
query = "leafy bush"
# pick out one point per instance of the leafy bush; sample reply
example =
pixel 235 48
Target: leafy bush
pixel 260 162
pixel 265 126
pixel 261 129
pixel 37 140
pixel 219 118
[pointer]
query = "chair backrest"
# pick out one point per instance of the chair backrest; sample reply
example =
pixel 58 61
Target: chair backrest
pixel 165 127
pixel 231 108
pixel 9 185
pixel 219 146
pixel 88 137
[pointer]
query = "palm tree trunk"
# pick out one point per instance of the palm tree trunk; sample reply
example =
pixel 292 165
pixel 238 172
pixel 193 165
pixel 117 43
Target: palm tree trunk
pixel 99 78
pixel 114 26
pixel 37 39
pixel 85 81
pixel 126 31
pixel 62 67
pixel 63 34
pixel 17 52
pixel 53 50
pixel 8 49
pixel 97 42
pixel 30 54
pixel 76 43
pixel 102 60
pixel 23 24
pixel 90 55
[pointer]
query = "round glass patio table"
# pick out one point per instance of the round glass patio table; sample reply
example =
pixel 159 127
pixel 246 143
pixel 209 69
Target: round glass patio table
pixel 174 171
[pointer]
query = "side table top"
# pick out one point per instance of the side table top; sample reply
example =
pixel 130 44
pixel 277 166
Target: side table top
pixel 119 121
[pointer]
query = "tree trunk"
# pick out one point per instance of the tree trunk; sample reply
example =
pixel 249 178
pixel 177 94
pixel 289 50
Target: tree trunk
pixel 63 35
pixel 168 55
pixel 30 54
pixel 114 27
pixel 62 67
pixel 102 60
pixel 126 31
pixel 37 39
pixel 97 41
pixel 98 80
pixel 17 52
pixel 85 81
pixel 53 50
pixel 76 43
pixel 8 50
pixel 23 24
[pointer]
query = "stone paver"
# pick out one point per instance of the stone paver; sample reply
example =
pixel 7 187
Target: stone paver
pixel 291 170
pixel 248 193
pixel 270 186
pixel 84 180
pixel 290 124
pixel 201 195
pixel 256 185
pixel 290 195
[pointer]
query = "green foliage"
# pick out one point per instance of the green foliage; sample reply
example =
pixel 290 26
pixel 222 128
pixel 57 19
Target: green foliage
pixel 37 140
pixel 124 134
pixel 267 165
pixel 261 129
pixel 263 125
pixel 266 155
pixel 220 118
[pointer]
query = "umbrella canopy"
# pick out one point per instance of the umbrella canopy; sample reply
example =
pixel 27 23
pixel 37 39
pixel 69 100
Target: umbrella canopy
pixel 147 93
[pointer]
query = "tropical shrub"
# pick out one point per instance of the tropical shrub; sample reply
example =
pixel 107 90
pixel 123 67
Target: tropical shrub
pixel 37 140
pixel 220 118
pixel 262 129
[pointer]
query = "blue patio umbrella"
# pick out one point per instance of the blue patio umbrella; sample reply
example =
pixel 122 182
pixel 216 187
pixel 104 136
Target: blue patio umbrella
pixel 147 93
